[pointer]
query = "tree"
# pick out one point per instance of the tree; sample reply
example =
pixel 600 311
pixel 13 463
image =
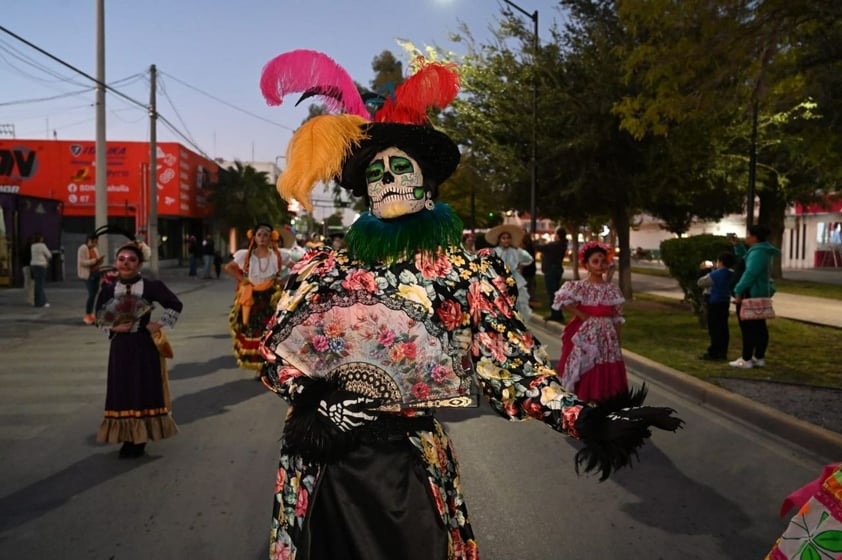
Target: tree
pixel 388 73
pixel 740 67
pixel 589 168
pixel 243 196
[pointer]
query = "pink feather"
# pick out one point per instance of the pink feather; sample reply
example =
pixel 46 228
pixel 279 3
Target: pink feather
pixel 302 70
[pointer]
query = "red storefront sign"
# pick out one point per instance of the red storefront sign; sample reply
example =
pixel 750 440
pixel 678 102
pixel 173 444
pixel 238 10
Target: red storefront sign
pixel 832 203
pixel 65 171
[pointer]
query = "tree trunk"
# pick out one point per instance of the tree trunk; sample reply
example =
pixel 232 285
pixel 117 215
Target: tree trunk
pixel 622 225
pixel 772 214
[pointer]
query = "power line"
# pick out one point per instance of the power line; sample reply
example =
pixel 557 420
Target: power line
pixel 68 65
pixel 123 81
pixel 176 131
pixel 163 89
pixel 145 107
pixel 21 57
pixel 249 113
pixel 51 98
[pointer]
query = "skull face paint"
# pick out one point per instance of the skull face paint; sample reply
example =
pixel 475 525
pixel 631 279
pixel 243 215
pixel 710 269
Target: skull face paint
pixel 395 184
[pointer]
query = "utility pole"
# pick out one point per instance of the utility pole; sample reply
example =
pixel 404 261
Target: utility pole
pixel 152 222
pixel 101 188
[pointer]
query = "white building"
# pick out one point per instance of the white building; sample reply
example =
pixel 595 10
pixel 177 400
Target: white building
pixel 812 236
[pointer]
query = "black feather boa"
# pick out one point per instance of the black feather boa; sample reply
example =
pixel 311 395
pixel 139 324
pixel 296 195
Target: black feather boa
pixel 616 428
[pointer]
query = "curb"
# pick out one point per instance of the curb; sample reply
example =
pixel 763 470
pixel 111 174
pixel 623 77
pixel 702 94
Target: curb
pixel 815 439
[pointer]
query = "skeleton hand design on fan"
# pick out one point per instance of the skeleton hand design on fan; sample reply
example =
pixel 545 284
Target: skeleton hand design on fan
pixel 347 410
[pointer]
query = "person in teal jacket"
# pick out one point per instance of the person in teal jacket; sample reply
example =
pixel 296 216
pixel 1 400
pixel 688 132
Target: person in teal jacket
pixel 754 282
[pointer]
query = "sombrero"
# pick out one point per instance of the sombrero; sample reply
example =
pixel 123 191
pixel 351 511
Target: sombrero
pixel 287 238
pixel 493 235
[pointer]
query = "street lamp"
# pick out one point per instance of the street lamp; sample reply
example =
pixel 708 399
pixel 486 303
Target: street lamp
pixel 534 163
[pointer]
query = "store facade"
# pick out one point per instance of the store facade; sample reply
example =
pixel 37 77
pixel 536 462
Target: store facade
pixel 64 172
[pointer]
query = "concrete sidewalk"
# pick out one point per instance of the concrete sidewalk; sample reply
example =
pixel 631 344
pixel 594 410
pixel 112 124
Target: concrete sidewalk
pixel 815 310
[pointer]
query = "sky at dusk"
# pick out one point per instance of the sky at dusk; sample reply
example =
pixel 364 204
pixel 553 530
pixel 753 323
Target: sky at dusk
pixel 209 55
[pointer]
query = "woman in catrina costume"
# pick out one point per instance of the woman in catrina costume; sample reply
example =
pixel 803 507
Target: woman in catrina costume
pixel 257 270
pixel 368 341
pixel 137 402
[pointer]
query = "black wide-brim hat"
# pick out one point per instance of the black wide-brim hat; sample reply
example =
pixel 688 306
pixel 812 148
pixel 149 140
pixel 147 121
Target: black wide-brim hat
pixel 434 151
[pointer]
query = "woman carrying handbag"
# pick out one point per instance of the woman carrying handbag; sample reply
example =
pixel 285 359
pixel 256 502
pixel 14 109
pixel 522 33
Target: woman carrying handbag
pixel 753 291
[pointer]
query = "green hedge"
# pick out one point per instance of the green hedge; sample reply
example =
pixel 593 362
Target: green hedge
pixel 683 258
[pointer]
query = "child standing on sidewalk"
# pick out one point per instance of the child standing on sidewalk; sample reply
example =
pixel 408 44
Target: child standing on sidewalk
pixel 718 281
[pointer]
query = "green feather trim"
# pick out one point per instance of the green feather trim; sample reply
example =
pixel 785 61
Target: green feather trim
pixel 373 240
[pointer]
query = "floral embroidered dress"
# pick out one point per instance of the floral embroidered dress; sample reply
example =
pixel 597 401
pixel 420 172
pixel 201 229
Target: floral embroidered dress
pixel 815 531
pixel 591 363
pixel 135 405
pixel 254 304
pixel 408 332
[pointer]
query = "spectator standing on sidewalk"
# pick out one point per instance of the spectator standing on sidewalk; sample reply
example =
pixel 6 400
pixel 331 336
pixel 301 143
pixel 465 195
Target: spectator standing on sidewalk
pixel 88 262
pixel 207 256
pixel 26 270
pixel 40 257
pixel 756 281
pixel 193 252
pixel 552 266
pixel 718 281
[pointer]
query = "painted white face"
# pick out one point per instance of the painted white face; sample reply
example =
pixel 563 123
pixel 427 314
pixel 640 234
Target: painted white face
pixel 395 184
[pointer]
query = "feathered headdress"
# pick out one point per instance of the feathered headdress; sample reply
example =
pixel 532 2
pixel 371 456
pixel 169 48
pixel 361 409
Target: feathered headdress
pixel 334 146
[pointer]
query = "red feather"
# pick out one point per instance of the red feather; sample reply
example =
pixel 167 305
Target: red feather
pixel 434 85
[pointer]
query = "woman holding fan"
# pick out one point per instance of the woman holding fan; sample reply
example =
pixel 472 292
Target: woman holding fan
pixel 137 407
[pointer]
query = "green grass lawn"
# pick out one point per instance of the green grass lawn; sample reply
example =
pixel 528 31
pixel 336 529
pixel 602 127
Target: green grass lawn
pixel 666 331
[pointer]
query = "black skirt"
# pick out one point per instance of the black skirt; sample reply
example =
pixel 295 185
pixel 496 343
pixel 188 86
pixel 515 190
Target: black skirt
pixel 374 504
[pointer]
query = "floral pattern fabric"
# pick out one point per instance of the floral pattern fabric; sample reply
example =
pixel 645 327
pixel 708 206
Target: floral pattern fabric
pixel 419 320
pixel 815 531
pixel 592 346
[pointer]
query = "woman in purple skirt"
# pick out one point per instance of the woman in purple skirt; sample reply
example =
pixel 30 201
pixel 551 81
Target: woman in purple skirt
pixel 136 403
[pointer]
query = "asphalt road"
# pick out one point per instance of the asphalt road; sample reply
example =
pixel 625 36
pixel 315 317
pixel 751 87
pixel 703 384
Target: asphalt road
pixel 712 490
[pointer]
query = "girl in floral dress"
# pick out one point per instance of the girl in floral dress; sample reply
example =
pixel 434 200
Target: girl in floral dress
pixel 591 362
